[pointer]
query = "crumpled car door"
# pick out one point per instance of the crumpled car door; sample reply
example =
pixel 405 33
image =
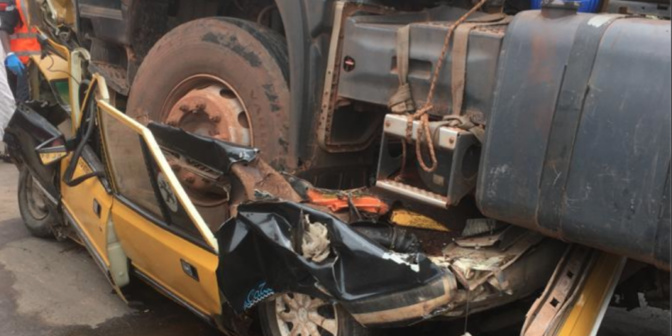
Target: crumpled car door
pixel 167 242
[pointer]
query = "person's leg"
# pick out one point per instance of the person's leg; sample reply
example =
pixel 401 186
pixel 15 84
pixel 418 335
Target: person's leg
pixel 7 104
pixel 11 81
pixel 22 93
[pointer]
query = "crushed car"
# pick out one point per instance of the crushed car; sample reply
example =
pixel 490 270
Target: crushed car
pixel 306 260
pixel 402 179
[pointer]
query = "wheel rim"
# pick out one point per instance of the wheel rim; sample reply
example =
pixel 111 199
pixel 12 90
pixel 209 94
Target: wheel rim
pixel 299 314
pixel 36 203
pixel 208 106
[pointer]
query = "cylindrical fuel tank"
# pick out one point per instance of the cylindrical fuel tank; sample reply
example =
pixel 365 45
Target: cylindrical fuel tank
pixel 578 141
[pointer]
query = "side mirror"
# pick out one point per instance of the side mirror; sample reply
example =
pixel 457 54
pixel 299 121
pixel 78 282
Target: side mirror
pixel 52 150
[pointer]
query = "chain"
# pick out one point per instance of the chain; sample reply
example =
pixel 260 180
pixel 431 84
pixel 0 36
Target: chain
pixel 422 114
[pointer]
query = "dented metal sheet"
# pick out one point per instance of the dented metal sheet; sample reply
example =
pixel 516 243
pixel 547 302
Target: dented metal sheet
pixel 475 266
pixel 264 250
pixel 216 154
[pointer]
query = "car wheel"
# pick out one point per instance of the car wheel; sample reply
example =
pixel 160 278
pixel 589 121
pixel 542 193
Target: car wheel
pixel 36 214
pixel 293 314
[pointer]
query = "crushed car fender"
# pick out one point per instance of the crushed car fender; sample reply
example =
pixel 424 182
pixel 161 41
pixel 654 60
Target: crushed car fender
pixel 261 254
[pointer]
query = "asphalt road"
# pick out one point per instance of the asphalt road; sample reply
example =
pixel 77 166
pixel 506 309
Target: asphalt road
pixel 54 288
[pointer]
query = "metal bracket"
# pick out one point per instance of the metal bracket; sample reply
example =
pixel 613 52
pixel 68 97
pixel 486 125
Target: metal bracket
pixel 458 154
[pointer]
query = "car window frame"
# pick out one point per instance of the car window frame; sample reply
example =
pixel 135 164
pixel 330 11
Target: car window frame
pixel 207 239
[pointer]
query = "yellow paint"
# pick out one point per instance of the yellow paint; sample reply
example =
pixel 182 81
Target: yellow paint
pixel 64 12
pixel 409 218
pixel 52 67
pixel 586 313
pixel 157 253
pixel 79 201
pixel 77 58
pixel 48 158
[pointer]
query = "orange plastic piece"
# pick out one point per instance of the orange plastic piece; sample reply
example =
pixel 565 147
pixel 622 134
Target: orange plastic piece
pixel 339 201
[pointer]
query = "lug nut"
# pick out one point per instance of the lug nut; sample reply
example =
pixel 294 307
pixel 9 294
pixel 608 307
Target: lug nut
pixel 190 180
pixel 184 108
pixel 214 132
pixel 215 119
pixel 200 107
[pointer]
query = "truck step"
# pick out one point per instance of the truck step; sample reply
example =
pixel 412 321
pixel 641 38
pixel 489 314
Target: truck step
pixel 114 74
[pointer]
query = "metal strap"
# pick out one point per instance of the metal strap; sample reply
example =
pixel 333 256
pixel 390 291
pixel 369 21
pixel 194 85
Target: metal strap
pixel 403 47
pixel 560 292
pixel 402 100
pixel 459 55
pixel 567 116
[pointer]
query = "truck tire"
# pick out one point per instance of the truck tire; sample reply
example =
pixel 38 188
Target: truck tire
pixel 36 214
pixel 199 75
pixel 276 317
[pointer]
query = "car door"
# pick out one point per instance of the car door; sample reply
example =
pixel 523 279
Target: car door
pixel 86 193
pixel 168 243
pixel 84 196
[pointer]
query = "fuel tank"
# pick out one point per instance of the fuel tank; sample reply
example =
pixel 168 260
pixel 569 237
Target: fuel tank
pixel 578 140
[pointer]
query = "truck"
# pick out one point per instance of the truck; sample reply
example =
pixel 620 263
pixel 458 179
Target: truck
pixel 478 127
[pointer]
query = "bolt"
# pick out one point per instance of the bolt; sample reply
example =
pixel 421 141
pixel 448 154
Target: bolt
pixel 190 180
pixel 451 140
pixel 215 119
pixel 200 107
pixel 184 108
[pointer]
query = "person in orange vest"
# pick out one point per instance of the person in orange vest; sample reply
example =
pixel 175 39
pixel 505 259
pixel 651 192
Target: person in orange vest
pixel 21 39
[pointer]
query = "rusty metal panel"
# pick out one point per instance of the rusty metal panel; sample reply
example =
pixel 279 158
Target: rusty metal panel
pixel 370 41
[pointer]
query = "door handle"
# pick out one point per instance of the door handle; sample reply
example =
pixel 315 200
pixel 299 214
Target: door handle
pixel 96 207
pixel 189 269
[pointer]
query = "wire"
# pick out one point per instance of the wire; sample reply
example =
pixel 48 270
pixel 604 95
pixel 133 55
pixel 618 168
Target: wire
pixel 51 58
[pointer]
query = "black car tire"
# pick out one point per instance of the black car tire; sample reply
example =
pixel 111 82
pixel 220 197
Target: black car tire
pixel 38 217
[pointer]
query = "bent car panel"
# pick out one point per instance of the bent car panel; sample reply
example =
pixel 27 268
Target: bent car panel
pixel 89 204
pixel 27 130
pixel 262 252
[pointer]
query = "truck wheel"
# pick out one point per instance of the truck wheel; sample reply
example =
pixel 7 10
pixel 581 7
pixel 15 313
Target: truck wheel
pixel 219 77
pixel 298 314
pixel 36 215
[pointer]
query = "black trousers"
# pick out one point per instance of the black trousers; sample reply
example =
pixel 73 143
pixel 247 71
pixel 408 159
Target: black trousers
pixel 19 86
